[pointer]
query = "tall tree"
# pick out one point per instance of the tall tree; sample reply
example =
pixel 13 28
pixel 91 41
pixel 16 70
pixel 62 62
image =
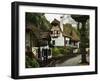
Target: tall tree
pixel 39 20
pixel 83 34
pixel 39 23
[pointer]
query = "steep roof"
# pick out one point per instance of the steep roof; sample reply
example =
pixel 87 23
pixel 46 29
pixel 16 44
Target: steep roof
pixel 75 36
pixel 71 32
pixel 34 29
pixel 39 33
pixel 68 30
pixel 55 28
pixel 44 35
pixel 55 22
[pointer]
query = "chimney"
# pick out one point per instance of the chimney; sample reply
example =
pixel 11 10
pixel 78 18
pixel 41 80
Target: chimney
pixel 61 22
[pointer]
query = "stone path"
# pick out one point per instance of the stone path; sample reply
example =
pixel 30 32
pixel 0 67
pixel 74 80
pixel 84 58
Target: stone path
pixel 72 61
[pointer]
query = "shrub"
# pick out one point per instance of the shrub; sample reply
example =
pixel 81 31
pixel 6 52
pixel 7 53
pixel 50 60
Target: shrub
pixel 55 52
pixel 31 62
pixel 62 50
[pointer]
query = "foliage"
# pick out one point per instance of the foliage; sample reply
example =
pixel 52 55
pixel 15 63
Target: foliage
pixel 71 31
pixel 65 50
pixel 39 20
pixel 38 23
pixel 31 62
pixel 57 51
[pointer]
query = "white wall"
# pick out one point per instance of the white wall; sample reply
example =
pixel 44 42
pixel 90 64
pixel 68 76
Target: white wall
pixel 59 41
pixel 5 40
pixel 27 39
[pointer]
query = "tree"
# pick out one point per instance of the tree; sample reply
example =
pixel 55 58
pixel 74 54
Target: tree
pixel 39 20
pixel 38 23
pixel 83 34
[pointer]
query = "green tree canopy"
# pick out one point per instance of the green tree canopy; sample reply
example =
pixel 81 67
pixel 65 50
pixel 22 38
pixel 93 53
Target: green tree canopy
pixel 39 20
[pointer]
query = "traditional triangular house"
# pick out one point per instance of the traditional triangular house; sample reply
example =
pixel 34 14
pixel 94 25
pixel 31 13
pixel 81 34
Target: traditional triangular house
pixel 63 34
pixel 36 40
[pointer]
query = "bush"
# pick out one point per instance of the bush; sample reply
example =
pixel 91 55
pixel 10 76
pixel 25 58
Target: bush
pixel 63 50
pixel 31 62
pixel 58 51
pixel 55 52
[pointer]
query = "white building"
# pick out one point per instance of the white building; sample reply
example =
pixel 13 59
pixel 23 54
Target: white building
pixel 63 34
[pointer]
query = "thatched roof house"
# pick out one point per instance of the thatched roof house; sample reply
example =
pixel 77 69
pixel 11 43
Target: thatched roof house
pixel 71 32
pixel 68 30
pixel 37 36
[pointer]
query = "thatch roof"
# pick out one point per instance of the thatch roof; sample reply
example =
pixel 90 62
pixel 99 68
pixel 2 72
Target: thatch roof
pixel 71 32
pixel 34 29
pixel 44 35
pixel 55 22
pixel 68 30
pixel 39 33
pixel 55 28
pixel 40 36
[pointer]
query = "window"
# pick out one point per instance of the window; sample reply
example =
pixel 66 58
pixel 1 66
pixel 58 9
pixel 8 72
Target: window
pixel 53 42
pixel 66 41
pixel 55 33
pixel 51 32
pixel 58 32
pixel 75 43
pixel 69 41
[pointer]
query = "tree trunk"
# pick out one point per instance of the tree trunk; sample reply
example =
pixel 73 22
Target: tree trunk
pixel 83 42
